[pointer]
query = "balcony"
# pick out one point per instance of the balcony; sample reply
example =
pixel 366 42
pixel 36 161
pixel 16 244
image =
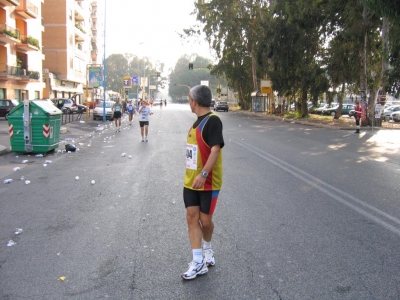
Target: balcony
pixel 28 43
pixel 27 10
pixel 79 13
pixel 9 2
pixel 18 73
pixel 80 33
pixel 9 34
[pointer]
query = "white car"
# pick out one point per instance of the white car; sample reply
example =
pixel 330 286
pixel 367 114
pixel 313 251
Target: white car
pixel 99 109
pixel 387 112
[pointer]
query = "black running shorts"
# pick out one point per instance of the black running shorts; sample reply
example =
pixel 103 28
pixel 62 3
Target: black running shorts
pixel 143 123
pixel 117 115
pixel 207 200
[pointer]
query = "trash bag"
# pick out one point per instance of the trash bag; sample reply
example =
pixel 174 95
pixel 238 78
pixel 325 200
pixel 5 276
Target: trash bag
pixel 70 147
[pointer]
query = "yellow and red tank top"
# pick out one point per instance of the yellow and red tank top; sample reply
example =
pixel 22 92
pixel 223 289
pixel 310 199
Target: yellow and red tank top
pixel 197 153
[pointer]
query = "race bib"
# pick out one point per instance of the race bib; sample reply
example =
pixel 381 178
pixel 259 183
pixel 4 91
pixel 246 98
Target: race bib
pixel 191 157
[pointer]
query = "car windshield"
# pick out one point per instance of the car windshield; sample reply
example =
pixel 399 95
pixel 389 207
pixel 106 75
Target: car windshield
pixel 15 102
pixel 222 102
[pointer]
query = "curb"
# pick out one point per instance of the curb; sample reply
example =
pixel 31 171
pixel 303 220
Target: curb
pixel 3 150
pixel 306 123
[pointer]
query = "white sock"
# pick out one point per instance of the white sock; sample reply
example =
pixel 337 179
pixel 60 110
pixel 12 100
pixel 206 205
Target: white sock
pixel 206 245
pixel 197 255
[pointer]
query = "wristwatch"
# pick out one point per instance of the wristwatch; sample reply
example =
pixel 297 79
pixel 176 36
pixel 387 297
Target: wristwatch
pixel 204 174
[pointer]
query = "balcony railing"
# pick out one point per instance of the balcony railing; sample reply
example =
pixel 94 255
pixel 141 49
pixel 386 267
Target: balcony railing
pixel 10 31
pixel 6 70
pixel 32 7
pixel 30 40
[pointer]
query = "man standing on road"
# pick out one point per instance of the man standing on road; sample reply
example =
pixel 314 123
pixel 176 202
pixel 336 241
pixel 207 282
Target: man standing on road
pixel 357 116
pixel 203 179
pixel 118 110
pixel 144 112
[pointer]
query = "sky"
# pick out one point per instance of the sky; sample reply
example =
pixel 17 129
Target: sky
pixel 149 28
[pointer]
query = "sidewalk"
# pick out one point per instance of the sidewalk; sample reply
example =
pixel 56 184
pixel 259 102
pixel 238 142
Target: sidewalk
pixel 71 130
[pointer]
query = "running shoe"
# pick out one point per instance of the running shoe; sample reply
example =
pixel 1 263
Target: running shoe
pixel 194 270
pixel 146 140
pixel 209 257
pixel 142 140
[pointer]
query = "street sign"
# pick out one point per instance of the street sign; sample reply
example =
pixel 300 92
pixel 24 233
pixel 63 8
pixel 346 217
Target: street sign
pixel 95 76
pixel 127 82
pixel 135 79
pixel 266 90
pixel 143 81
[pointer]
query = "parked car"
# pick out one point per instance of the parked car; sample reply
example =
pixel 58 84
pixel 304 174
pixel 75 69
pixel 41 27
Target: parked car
pixel 317 110
pixel 212 103
pixel 67 105
pixel 157 102
pixel 6 105
pixel 92 104
pixel 99 109
pixel 395 116
pixel 346 108
pixel 388 111
pixel 221 105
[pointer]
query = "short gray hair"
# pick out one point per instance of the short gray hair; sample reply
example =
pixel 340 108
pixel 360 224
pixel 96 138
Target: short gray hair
pixel 201 94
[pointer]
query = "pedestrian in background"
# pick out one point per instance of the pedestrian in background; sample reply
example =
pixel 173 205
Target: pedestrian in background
pixel 203 179
pixel 118 110
pixel 357 116
pixel 144 113
pixel 130 109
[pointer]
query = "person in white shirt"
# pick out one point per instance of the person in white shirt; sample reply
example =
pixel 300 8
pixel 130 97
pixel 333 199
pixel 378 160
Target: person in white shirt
pixel 144 113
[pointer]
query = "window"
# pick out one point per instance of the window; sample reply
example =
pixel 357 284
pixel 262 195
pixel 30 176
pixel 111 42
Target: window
pixel 17 95
pixel 2 93
pixel 37 95
pixel 71 63
pixel 70 14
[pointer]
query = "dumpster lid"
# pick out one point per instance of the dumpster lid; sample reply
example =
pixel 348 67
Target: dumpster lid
pixel 48 107
pixel 256 94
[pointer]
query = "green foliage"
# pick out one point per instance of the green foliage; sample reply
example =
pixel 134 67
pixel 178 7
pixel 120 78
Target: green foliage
pixel 10 33
pixel 117 67
pixel 181 75
pixel 77 25
pixel 32 41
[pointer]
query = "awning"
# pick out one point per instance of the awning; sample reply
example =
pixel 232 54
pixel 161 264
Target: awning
pixel 67 89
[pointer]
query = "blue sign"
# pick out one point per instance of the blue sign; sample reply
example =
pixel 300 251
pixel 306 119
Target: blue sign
pixel 135 79
pixel 95 76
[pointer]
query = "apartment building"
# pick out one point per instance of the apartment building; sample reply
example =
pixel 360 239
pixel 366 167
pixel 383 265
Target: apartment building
pixel 21 55
pixel 70 45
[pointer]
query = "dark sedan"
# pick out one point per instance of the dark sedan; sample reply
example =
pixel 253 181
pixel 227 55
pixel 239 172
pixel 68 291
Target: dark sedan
pixel 6 106
pixel 221 105
pixel 346 108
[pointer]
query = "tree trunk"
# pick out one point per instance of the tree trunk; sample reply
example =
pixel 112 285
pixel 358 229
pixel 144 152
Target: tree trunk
pixel 304 109
pixel 341 97
pixel 363 69
pixel 254 69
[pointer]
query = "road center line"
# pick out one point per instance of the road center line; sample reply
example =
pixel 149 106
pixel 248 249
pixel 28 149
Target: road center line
pixel 317 183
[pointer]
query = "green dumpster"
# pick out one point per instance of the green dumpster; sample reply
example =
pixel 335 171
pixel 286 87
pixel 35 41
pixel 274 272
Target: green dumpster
pixel 34 126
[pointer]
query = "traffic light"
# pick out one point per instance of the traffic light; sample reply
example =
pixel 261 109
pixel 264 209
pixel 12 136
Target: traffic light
pixel 190 66
pixel 158 74
pixel 218 90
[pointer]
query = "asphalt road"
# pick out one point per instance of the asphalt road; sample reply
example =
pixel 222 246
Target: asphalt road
pixel 304 213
